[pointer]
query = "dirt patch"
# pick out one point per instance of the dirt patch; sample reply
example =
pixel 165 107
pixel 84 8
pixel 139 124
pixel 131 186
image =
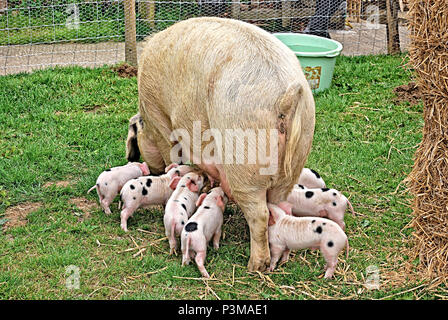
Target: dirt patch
pixel 84 205
pixel 60 184
pixel 408 93
pixel 17 216
pixel 92 109
pixel 125 70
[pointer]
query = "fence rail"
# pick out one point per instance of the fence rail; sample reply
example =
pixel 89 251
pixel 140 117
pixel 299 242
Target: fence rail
pixel 39 33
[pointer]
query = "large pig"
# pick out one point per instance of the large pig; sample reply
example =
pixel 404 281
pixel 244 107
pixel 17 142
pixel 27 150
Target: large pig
pixel 291 233
pixel 226 76
pixel 148 191
pixel 203 226
pixel 109 182
pixel 181 205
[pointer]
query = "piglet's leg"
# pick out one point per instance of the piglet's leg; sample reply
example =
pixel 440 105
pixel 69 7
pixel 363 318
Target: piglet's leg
pixel 200 259
pixel 285 256
pixel 216 238
pixel 276 252
pixel 105 203
pixel 125 214
pixel 331 258
pixel 171 235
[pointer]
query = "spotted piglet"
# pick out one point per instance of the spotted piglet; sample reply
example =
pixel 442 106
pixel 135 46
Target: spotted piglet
pixel 202 227
pixel 311 179
pixel 150 190
pixel 325 202
pixel 181 204
pixel 287 232
pixel 110 182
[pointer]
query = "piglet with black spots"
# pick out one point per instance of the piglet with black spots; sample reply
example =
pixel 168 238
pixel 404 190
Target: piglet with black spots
pixel 325 203
pixel 147 191
pixel 202 227
pixel 110 182
pixel 311 179
pixel 181 204
pixel 287 232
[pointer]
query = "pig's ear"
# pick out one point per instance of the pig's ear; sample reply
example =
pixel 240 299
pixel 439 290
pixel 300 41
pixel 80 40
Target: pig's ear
pixel 323 213
pixel 271 220
pixel 220 203
pixel 286 206
pixel 201 198
pixel 192 186
pixel 174 182
pixel 144 168
pixel 171 166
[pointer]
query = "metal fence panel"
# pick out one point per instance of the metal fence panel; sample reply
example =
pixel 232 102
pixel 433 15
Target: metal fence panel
pixel 42 33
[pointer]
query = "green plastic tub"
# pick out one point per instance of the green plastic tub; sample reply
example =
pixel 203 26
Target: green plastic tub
pixel 317 56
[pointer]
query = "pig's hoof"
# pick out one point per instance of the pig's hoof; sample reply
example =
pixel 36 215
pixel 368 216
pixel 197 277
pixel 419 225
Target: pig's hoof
pixel 258 265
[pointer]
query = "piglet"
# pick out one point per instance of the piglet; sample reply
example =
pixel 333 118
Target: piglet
pixel 146 191
pixel 326 203
pixel 311 179
pixel 202 227
pixel 110 182
pixel 181 204
pixel 287 233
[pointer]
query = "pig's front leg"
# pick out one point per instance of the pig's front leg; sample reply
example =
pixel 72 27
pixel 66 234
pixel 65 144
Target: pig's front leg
pixel 125 214
pixel 276 253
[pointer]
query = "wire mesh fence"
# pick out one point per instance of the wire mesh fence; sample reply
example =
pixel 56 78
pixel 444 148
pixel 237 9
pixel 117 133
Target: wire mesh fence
pixel 42 33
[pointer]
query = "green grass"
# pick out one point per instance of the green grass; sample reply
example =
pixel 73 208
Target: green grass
pixel 71 124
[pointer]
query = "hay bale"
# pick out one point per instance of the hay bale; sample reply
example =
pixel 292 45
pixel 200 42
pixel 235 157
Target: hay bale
pixel 428 181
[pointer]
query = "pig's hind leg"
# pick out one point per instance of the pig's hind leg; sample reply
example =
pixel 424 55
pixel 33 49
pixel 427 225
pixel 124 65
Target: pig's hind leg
pixel 331 259
pixel 285 256
pixel 200 259
pixel 216 238
pixel 106 202
pixel 256 212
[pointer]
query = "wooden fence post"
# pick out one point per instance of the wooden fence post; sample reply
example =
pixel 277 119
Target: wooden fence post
pixel 3 5
pixel 130 32
pixel 393 34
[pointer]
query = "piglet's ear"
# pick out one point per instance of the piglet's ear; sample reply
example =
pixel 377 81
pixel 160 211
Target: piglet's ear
pixel 220 203
pixel 174 182
pixel 323 213
pixel 271 221
pixel 201 198
pixel 192 186
pixel 144 168
pixel 171 166
pixel 286 206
